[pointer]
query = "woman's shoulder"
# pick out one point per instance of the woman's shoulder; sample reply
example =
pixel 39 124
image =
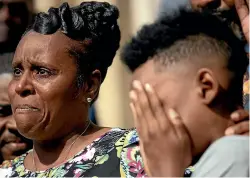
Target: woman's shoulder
pixel 126 137
pixel 6 164
pixel 6 168
pixel 9 163
pixel 130 135
pixel 131 162
pixel 128 152
pixel 125 140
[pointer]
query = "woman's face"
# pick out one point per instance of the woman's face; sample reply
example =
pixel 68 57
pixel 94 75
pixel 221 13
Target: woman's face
pixel 43 92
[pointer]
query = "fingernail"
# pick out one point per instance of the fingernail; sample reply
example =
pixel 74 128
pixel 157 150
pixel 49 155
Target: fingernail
pixel 172 113
pixel 148 88
pixel 229 132
pixel 137 85
pixel 133 95
pixel 131 105
pixel 235 115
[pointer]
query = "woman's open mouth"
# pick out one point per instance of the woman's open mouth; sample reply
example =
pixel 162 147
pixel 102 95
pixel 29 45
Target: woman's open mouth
pixel 26 108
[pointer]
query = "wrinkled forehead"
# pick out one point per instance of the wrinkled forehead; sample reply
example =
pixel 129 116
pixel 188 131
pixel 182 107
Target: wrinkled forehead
pixel 35 44
pixel 57 39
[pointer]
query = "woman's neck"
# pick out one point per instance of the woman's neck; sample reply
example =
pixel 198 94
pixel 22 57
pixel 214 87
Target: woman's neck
pixel 48 154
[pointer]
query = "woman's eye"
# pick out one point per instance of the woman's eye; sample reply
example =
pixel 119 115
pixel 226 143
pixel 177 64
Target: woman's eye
pixel 43 72
pixel 17 72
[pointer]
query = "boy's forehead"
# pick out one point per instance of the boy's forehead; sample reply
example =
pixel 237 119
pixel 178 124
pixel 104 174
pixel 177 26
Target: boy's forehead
pixel 145 72
pixel 151 72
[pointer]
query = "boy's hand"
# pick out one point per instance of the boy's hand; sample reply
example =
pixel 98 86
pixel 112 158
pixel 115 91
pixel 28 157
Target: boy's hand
pixel 164 141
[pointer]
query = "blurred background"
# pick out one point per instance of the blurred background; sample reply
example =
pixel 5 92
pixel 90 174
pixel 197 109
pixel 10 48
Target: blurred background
pixel 112 106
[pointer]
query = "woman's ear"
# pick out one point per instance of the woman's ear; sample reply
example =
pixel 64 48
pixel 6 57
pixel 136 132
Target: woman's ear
pixel 93 84
pixel 207 85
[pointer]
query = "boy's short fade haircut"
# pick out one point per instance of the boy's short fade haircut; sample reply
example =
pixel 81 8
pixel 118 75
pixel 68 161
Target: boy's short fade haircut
pixel 186 35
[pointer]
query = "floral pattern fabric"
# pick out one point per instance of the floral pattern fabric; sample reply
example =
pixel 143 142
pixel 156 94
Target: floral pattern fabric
pixel 246 81
pixel 115 154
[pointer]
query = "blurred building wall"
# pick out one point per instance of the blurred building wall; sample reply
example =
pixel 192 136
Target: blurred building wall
pixel 112 106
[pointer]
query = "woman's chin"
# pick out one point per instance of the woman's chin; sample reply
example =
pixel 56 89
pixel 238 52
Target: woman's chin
pixel 29 127
pixel 25 132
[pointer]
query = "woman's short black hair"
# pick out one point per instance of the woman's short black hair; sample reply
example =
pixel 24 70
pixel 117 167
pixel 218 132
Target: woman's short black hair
pixel 93 24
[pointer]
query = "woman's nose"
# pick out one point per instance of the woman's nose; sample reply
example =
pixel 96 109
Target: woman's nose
pixel 24 86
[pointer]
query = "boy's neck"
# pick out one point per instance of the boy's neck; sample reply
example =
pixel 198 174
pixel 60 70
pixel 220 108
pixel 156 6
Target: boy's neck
pixel 218 124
